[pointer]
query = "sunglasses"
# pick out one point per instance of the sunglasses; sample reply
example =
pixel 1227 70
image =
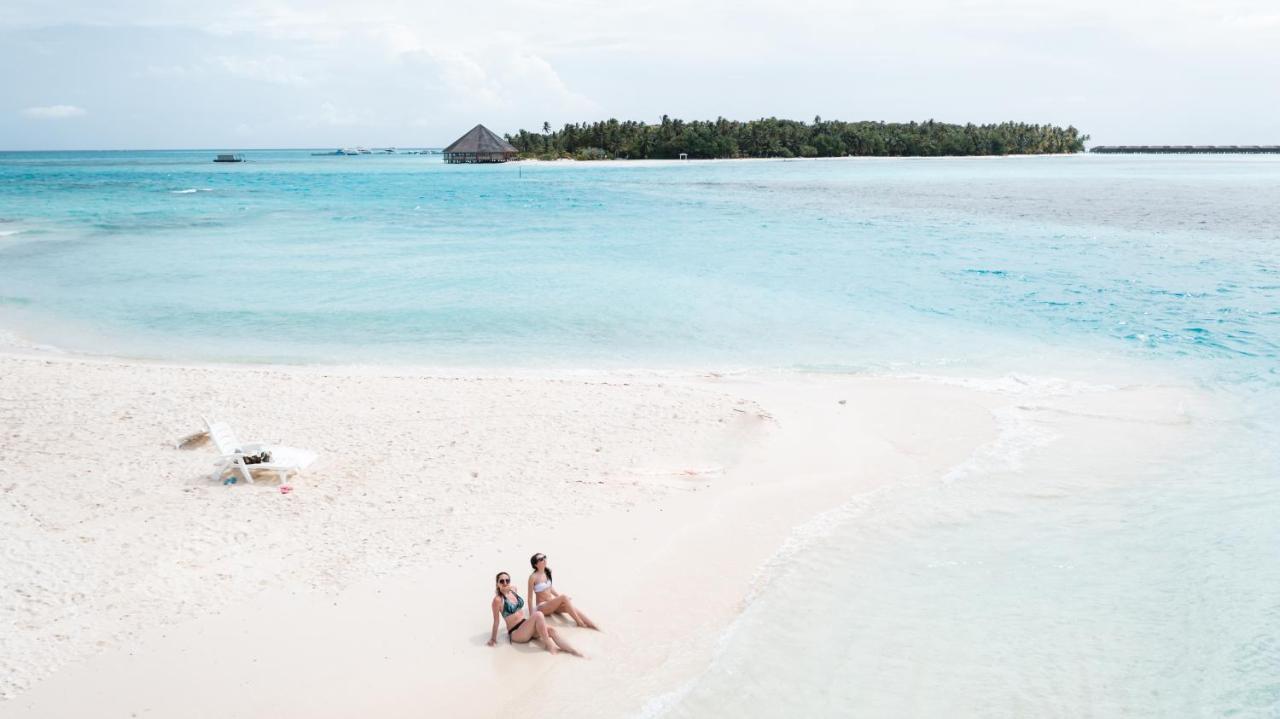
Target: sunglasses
pixel 504 581
pixel 539 558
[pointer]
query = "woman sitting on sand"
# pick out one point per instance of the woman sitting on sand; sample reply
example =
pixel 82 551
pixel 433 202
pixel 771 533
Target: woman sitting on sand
pixel 520 628
pixel 547 600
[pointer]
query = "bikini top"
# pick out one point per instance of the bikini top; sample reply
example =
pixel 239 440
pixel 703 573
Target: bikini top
pixel 508 608
pixel 542 586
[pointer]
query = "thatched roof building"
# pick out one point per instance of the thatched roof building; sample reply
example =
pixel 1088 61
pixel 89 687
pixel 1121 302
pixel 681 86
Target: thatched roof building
pixel 479 145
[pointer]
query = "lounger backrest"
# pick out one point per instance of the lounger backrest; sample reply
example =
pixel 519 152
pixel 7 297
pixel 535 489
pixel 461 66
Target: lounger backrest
pixel 223 437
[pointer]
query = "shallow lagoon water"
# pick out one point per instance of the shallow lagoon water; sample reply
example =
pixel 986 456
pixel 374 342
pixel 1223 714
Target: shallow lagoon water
pixel 1143 589
pixel 842 263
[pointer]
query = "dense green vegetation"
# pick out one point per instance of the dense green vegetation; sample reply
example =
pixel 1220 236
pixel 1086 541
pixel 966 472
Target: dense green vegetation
pixel 771 137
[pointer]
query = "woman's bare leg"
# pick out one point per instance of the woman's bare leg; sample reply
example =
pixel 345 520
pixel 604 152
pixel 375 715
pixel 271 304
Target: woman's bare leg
pixel 563 605
pixel 577 616
pixel 523 633
pixel 563 644
pixel 554 605
pixel 583 620
pixel 544 633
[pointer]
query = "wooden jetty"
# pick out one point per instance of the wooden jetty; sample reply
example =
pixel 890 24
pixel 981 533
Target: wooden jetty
pixel 1189 149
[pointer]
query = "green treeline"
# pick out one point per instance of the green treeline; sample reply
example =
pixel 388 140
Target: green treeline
pixel 771 137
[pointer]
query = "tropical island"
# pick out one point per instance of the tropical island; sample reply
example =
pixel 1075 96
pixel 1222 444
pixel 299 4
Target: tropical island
pixel 672 139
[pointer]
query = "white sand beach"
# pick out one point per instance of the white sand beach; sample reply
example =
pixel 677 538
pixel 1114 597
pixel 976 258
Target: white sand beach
pixel 136 586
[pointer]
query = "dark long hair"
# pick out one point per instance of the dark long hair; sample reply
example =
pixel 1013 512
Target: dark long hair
pixel 533 562
pixel 497 576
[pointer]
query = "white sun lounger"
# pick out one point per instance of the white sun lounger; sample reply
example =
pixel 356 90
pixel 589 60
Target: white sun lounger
pixel 284 460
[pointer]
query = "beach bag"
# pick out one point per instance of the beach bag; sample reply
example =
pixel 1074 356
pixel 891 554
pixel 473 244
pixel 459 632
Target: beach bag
pixel 260 458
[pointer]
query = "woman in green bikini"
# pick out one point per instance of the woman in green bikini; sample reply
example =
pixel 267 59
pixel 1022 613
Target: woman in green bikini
pixel 509 606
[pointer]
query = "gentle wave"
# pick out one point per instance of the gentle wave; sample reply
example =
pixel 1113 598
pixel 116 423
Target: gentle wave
pixel 985 597
pixel 1016 436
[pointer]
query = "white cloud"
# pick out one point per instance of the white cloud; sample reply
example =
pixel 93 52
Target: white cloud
pixel 53 112
pixel 319 72
pixel 497 79
pixel 334 116
pixel 528 76
pixel 275 70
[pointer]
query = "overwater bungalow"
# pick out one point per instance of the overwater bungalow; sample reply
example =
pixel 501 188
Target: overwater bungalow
pixel 480 144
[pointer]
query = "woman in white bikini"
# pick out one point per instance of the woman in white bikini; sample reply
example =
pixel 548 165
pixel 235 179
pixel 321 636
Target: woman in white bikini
pixel 547 600
pixel 520 629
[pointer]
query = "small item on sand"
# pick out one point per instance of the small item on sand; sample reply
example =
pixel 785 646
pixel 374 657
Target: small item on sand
pixel 228 481
pixel 262 457
pixel 192 441
pixel 285 489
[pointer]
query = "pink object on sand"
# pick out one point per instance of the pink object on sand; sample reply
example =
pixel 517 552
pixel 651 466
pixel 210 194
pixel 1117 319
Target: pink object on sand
pixel 285 489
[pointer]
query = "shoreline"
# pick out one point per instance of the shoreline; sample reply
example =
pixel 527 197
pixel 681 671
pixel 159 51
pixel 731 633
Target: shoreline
pixel 1080 365
pixel 642 160
pixel 637 485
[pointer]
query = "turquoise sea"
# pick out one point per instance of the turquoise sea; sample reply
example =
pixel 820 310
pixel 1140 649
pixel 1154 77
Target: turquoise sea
pixel 1012 593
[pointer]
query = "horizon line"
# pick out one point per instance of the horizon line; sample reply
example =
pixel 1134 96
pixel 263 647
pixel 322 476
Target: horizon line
pixel 226 149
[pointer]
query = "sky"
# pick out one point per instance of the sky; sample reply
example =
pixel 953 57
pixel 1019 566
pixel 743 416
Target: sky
pixel 243 74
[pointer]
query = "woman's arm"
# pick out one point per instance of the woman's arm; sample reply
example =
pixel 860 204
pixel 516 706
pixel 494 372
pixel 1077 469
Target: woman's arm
pixel 533 597
pixel 493 633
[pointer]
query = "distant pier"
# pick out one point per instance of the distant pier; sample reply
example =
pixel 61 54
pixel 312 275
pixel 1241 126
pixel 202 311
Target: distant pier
pixel 1190 149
